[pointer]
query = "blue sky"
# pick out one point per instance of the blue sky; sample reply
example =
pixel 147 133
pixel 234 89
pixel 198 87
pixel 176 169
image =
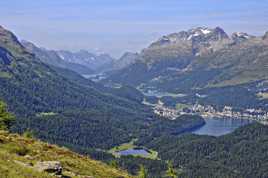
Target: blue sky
pixel 116 26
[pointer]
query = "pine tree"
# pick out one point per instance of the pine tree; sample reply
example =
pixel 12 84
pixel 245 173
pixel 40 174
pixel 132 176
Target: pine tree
pixel 143 173
pixel 6 119
pixel 114 164
pixel 171 172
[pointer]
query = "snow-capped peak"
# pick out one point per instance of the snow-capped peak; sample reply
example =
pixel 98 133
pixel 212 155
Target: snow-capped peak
pixel 197 32
pixel 205 31
pixel 241 34
pixel 193 35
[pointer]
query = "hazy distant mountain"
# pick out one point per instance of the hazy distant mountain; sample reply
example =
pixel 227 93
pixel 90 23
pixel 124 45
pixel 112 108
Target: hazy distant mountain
pixel 82 62
pixel 51 57
pixel 97 63
pixel 127 59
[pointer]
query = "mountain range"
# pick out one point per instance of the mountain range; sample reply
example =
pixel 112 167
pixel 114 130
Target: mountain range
pixel 206 49
pixel 81 62
pixel 97 63
pixel 201 60
pixel 51 57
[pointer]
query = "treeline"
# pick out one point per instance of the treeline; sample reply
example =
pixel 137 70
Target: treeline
pixel 6 118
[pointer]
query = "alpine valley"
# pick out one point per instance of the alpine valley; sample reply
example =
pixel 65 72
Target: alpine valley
pixel 206 67
pixel 136 119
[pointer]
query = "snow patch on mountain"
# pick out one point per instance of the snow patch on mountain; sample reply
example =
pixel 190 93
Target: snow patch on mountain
pixel 193 35
pixel 61 56
pixel 205 31
pixel 240 34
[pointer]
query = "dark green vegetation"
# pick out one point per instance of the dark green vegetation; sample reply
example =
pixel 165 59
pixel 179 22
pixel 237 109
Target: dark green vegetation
pixel 24 153
pixel 240 97
pixel 242 153
pixel 6 119
pixel 19 156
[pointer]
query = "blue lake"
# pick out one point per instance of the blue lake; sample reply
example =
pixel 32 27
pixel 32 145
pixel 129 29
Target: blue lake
pixel 218 126
pixel 134 152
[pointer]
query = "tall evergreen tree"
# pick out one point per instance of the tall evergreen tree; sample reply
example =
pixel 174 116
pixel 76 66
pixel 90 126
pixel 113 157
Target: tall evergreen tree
pixel 171 172
pixel 6 118
pixel 143 173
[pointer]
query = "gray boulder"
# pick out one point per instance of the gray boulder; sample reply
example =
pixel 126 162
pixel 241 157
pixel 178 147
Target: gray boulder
pixel 53 167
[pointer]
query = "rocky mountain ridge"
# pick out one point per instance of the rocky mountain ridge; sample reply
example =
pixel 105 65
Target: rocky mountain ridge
pixel 203 48
pixel 198 41
pixel 125 60
pixel 95 62
pixel 52 58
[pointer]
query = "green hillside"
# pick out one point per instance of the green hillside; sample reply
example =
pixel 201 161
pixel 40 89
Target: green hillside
pixel 31 88
pixel 21 157
pixel 241 154
pixel 63 108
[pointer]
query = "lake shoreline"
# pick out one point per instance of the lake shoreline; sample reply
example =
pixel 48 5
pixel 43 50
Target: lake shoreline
pixel 220 126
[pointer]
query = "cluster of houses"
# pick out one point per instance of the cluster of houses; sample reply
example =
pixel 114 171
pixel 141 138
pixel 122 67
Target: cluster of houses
pixel 227 111
pixel 208 111
pixel 166 112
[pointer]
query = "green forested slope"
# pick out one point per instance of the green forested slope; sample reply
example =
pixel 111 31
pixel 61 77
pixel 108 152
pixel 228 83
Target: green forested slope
pixel 20 155
pixel 78 114
pixel 242 153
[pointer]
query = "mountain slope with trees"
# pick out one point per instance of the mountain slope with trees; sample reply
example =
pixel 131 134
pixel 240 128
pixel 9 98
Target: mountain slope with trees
pixel 21 155
pixel 242 153
pixel 78 114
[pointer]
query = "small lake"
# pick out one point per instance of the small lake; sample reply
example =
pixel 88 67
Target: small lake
pixel 96 77
pixel 134 152
pixel 218 126
pixel 162 94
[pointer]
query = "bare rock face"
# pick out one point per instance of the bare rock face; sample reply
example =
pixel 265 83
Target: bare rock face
pixel 126 60
pixel 53 167
pixel 5 57
pixel 238 37
pixel 265 37
pixel 194 42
